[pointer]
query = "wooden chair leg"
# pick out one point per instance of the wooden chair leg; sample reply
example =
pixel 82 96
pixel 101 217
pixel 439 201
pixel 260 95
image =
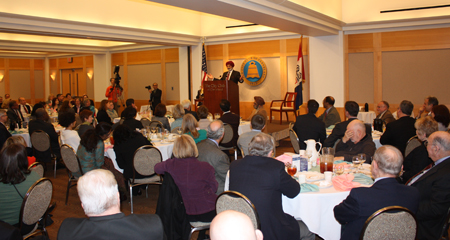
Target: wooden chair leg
pixel 281 117
pixel 287 117
pixel 270 116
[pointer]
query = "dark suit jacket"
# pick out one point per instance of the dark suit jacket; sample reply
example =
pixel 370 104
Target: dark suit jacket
pixel 78 110
pixel 209 152
pixel 263 180
pixel 235 76
pixel 415 162
pixel 102 116
pixel 399 132
pixel 234 121
pixel 308 126
pixel 12 116
pixel 117 226
pixel 349 149
pixel 133 123
pixel 4 134
pixel 155 97
pixel 387 117
pixel 50 130
pixel 125 153
pixel 434 189
pixel 332 117
pixel 363 202
pixel 28 107
pixel 191 112
pixel 339 132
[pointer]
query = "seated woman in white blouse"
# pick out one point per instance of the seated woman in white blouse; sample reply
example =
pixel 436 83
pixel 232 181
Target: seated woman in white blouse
pixel 69 136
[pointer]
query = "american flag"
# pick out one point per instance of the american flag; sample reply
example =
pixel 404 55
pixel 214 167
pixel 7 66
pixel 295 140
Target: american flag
pixel 204 67
pixel 299 77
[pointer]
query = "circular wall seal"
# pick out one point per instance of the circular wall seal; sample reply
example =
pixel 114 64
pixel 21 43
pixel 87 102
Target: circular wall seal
pixel 254 71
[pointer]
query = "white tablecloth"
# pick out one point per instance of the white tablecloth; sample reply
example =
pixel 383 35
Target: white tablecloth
pixel 25 136
pixel 367 117
pixel 244 127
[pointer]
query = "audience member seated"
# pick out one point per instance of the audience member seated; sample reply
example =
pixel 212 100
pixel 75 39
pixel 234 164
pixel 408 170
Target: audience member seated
pixel 418 158
pixel 85 97
pixel 233 225
pixel 126 142
pixel 178 113
pixel 77 107
pixel 351 113
pixel 428 105
pixel 434 188
pixel 331 114
pixel 189 127
pixel 24 107
pixel 14 114
pixel 55 105
pixel 110 110
pixel 195 180
pixel 130 118
pixel 68 135
pixel 232 119
pixel 86 118
pixel 308 126
pixel 398 132
pixel 66 106
pixel 130 103
pixel 258 108
pixel 263 180
pixel 187 108
pixel 16 179
pixel 102 115
pixel 1 101
pixel 36 107
pixel 355 141
pixel 209 151
pixel 100 200
pixel 88 106
pixel 362 202
pixel 4 133
pixel 19 140
pixel 202 113
pixel 384 113
pixel 257 124
pixel 41 123
pixel 159 115
pixel 5 103
pixel 441 114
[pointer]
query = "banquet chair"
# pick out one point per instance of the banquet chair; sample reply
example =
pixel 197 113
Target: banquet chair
pixel 228 137
pixel 41 143
pixel 232 200
pixel 294 140
pixel 157 124
pixel 242 151
pixel 287 105
pixel 444 234
pixel 175 130
pixel 291 125
pixel 144 160
pixel 73 166
pixel 412 144
pixel 145 122
pixel 38 168
pixel 392 222
pixel 34 207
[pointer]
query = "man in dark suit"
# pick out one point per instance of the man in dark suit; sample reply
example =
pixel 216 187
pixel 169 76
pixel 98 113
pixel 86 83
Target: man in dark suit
pixel 400 131
pixel 384 113
pixel 351 113
pixel 100 200
pixel 209 151
pixel 231 75
pixel 41 123
pixel 308 126
pixel 232 119
pixel 331 114
pixel 362 202
pixel 24 107
pixel 263 180
pixel 187 108
pixel 14 113
pixel 155 96
pixel 433 184
pixel 4 133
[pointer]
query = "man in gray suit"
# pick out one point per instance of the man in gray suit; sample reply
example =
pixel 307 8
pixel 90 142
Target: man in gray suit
pixel 209 151
pixel 258 123
pixel 331 114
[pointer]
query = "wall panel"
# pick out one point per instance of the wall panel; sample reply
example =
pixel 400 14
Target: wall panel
pixel 360 42
pixel 214 52
pixel 77 62
pixel 173 82
pixel 361 73
pixel 19 63
pixel 20 84
pixel 117 59
pixel 171 55
pixel 263 48
pixel 141 57
pixel 140 76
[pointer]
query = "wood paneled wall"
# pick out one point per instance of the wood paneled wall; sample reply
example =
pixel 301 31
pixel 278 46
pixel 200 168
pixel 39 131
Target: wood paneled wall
pixel 377 43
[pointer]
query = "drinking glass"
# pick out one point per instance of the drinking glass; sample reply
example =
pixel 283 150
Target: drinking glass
pixel 356 162
pixel 291 169
pixel 153 129
pixel 179 131
pixel 338 169
pixel 362 158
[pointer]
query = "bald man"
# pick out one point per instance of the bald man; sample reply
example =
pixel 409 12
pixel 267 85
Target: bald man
pixel 355 141
pixel 24 107
pixel 233 225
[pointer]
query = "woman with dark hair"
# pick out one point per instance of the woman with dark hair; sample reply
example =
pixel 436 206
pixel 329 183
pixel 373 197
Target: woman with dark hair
pixel 441 114
pixel 66 107
pixel 102 115
pixel 91 151
pixel 159 115
pixel 203 113
pixel 86 118
pixel 126 142
pixel 77 107
pixel 15 179
pixel 190 127
pixel 112 113
pixel 130 118
pixel 194 178
pixel 36 107
pixel 55 104
pixel 68 135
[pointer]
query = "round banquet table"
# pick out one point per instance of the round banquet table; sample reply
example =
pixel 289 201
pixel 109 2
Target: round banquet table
pixel 367 117
pixel 244 127
pixel 23 133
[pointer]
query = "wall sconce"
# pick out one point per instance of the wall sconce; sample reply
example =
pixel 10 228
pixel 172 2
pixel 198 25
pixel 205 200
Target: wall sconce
pixel 90 75
pixel 52 76
pixel 2 74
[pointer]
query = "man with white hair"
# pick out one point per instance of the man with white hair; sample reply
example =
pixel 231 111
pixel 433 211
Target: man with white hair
pixel 100 200
pixel 187 108
pixel 233 225
pixel 24 107
pixel 355 141
pixel 362 202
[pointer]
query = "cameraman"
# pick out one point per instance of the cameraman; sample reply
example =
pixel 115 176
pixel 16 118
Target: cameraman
pixel 113 93
pixel 155 96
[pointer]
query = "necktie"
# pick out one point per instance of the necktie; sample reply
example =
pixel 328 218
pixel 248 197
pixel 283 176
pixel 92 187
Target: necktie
pixel 19 114
pixel 420 174
pixel 228 76
pixel 26 109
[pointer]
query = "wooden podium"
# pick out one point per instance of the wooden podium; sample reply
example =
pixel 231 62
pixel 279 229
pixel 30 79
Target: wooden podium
pixel 215 91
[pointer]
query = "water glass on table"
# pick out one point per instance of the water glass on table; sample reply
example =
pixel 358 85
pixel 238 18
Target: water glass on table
pixel 291 169
pixel 356 163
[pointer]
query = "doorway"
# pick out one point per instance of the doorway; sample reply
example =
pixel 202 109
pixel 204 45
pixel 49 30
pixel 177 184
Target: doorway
pixel 73 81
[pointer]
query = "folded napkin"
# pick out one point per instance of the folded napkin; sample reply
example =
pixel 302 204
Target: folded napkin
pixel 363 179
pixel 306 187
pixel 284 158
pixel 344 182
